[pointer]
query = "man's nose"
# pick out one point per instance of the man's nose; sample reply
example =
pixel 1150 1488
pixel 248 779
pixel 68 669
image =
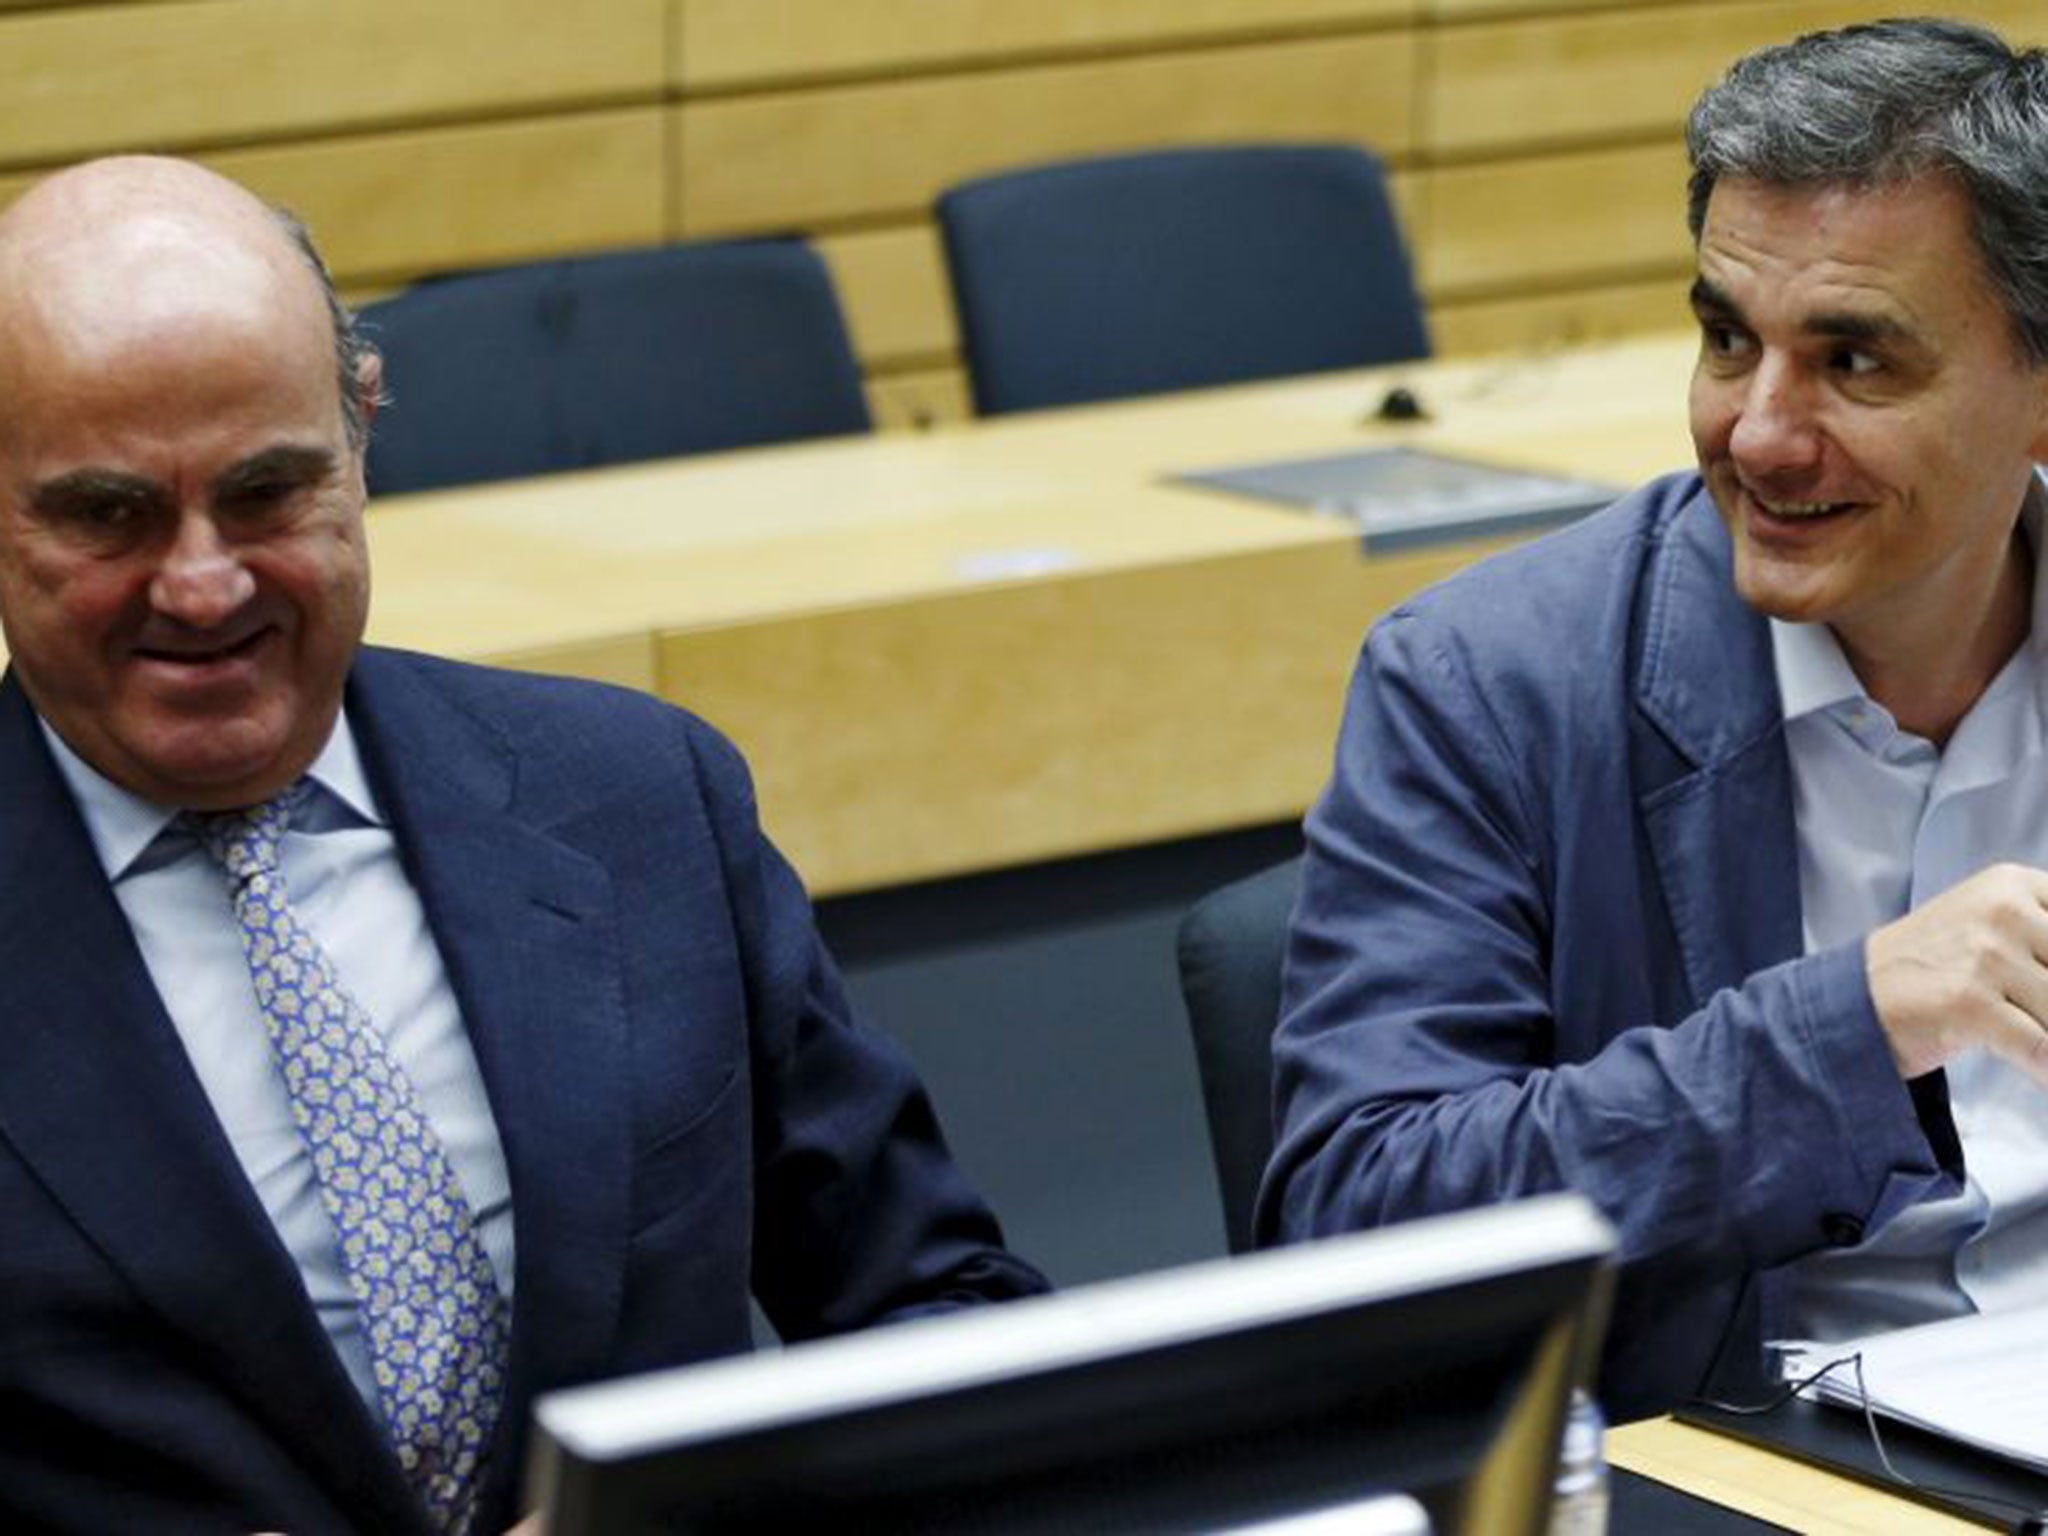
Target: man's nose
pixel 1775 430
pixel 201 581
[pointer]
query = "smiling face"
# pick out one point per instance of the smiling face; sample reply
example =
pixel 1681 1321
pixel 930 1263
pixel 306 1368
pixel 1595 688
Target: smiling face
pixel 1861 413
pixel 183 579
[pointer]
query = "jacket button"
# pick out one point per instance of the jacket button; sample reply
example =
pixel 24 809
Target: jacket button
pixel 1842 1231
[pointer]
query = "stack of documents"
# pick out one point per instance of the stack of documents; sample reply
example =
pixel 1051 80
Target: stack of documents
pixel 1981 1380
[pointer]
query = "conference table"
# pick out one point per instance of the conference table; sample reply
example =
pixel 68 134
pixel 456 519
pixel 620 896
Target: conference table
pixel 1763 1484
pixel 1009 641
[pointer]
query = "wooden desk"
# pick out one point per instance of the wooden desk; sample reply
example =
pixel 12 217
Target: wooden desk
pixel 1772 1487
pixel 1007 641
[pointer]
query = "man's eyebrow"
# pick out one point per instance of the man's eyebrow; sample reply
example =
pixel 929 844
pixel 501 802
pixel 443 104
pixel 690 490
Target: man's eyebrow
pixel 79 489
pixel 1708 298
pixel 287 464
pixel 1878 330
pixel 1711 302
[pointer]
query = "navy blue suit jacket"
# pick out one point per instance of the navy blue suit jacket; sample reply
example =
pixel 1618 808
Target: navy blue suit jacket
pixel 685 1105
pixel 1549 937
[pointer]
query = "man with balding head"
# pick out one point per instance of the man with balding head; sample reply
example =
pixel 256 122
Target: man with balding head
pixel 382 1040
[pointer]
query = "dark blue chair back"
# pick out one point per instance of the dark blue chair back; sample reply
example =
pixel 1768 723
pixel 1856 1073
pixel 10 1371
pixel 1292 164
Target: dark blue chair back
pixel 1176 269
pixel 1232 948
pixel 608 359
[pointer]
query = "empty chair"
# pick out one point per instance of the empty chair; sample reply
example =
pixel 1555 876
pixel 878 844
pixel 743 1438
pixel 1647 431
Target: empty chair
pixel 1175 269
pixel 1231 947
pixel 607 359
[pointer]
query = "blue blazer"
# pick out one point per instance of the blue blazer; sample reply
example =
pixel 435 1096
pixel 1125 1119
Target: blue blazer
pixel 685 1105
pixel 1549 937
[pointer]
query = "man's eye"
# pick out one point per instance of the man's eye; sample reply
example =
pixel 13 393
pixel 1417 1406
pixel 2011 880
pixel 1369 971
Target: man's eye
pixel 101 516
pixel 97 504
pixel 1854 363
pixel 259 497
pixel 1722 340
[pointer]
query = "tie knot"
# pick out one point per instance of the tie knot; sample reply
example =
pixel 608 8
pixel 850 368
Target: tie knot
pixel 243 842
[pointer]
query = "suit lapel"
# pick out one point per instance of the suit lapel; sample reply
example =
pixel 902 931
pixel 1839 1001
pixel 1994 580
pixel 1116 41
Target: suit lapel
pixel 526 927
pixel 1716 800
pixel 99 1097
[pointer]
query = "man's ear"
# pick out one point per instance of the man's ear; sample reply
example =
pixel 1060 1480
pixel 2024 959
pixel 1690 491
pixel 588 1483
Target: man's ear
pixel 369 385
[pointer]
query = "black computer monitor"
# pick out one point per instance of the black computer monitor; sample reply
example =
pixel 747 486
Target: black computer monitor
pixel 1434 1358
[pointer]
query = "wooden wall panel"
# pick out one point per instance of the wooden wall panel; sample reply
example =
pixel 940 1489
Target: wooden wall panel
pixel 915 398
pixel 212 72
pixel 2022 22
pixel 1553 220
pixel 725 43
pixel 892 284
pixel 391 207
pixel 15 7
pixel 1475 10
pixel 1542 322
pixel 1533 141
pixel 1631 72
pixel 868 151
pixel 1553 80
pixel 12 187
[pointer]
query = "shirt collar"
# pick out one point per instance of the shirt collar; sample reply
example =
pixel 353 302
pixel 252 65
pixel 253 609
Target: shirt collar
pixel 1812 671
pixel 1813 674
pixel 123 825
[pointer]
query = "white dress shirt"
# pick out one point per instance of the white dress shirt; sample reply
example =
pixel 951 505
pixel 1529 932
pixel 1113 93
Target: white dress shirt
pixel 349 888
pixel 1886 822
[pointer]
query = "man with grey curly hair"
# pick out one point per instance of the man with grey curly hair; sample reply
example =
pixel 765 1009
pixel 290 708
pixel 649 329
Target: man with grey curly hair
pixel 1694 857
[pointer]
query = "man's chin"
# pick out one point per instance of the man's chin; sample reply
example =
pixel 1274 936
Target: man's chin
pixel 211 771
pixel 1778 589
pixel 1790 609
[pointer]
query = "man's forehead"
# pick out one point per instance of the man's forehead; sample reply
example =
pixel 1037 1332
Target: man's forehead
pixel 146 307
pixel 1886 249
pixel 156 323
pixel 145 269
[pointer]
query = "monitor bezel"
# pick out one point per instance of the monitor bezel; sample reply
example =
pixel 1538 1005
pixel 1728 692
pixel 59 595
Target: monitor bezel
pixel 991 1377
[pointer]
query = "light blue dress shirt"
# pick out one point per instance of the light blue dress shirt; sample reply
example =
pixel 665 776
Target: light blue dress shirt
pixel 1885 823
pixel 349 887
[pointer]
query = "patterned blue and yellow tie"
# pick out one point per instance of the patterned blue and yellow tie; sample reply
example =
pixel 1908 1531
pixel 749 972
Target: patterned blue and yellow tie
pixel 429 1299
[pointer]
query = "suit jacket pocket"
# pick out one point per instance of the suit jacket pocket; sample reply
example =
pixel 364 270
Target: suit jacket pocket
pixel 700 1165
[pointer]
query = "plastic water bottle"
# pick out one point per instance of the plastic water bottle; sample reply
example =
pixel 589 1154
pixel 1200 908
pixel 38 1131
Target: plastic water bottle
pixel 1580 1505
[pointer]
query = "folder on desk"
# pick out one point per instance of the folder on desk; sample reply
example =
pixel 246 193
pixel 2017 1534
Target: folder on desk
pixel 1976 1379
pixel 1400 498
pixel 1961 1400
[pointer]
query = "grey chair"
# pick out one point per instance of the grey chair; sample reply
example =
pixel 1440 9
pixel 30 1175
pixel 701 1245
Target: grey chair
pixel 1231 945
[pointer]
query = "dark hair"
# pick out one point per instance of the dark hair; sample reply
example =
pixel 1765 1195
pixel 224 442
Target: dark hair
pixel 351 346
pixel 1886 102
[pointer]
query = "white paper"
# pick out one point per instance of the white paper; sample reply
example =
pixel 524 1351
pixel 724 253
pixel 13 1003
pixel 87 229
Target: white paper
pixel 1982 1380
pixel 1015 564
